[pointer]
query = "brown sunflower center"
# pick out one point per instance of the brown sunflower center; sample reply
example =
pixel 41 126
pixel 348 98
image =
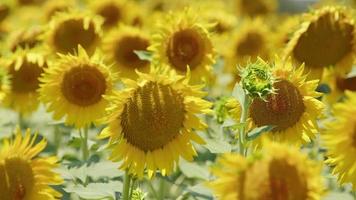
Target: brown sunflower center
pixel 70 33
pixel 253 8
pixel 346 83
pixel 282 109
pixel 251 45
pixel 325 43
pixel 83 85
pixel 124 51
pixel 25 79
pixel 285 182
pixel 186 47
pixel 153 116
pixel 16 179
pixel 111 14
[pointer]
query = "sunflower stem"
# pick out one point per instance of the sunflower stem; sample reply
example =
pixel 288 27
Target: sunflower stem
pixel 85 149
pixel 161 189
pixel 243 119
pixel 127 186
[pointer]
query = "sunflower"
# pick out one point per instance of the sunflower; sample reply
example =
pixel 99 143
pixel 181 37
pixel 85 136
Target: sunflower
pixel 337 84
pixel 154 119
pixel 4 11
pixel 113 11
pixel 293 109
pixel 248 42
pixel 340 140
pixel 4 83
pixel 24 175
pixel 280 172
pixel 74 86
pixel 326 38
pixel 67 30
pixel 26 38
pixel 120 46
pixel 182 41
pixel 284 30
pixel 255 8
pixel 52 7
pixel 24 68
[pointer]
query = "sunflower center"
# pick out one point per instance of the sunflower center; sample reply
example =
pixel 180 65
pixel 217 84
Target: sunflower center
pixel 346 83
pixel 70 33
pixel 325 43
pixel 16 179
pixel 153 116
pixel 83 85
pixel 111 14
pixel 253 8
pixel 124 51
pixel 251 45
pixel 186 48
pixel 285 182
pixel 282 109
pixel 25 79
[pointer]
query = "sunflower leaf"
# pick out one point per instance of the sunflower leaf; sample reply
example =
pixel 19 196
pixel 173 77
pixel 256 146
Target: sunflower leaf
pixel 255 133
pixel 239 93
pixel 144 55
pixel 193 170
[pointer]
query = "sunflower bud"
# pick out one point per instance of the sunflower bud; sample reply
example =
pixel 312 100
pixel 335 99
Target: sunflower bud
pixel 257 79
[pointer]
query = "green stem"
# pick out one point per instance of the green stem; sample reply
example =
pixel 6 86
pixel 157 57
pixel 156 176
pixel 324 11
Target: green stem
pixel 353 194
pixel 152 189
pixel 161 189
pixel 85 149
pixel 127 185
pixel 243 120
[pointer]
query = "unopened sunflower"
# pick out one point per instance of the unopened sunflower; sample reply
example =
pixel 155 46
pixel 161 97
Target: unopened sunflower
pixel 120 46
pixel 67 30
pixel 340 140
pixel 74 86
pixel 326 39
pixel 24 69
pixel 152 123
pixel 293 109
pixel 24 175
pixel 113 11
pixel 255 8
pixel 280 172
pixel 183 41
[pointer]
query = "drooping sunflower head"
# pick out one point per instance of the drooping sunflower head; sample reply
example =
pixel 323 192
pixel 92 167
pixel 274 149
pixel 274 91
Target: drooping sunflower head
pixel 256 8
pixel 67 30
pixel 340 140
pixel 113 11
pixel 153 119
pixel 326 39
pixel 183 41
pixel 75 85
pixel 24 68
pixel 27 38
pixel 293 109
pixel 249 42
pixel 120 46
pixel 279 172
pixel 24 175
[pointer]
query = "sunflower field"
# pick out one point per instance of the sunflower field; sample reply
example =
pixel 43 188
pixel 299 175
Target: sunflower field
pixel 177 99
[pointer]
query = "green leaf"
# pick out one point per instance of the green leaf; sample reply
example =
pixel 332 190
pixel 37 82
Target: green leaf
pixel 96 190
pixel 255 133
pixel 144 55
pixel 193 170
pixel 199 192
pixel 217 146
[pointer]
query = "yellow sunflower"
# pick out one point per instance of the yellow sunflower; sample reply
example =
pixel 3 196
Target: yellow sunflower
pixel 4 11
pixel 255 8
pixel 248 42
pixel 337 84
pixel 51 7
pixel 183 40
pixel 24 175
pixel 340 140
pixel 326 38
pixel 4 83
pixel 69 29
pixel 280 172
pixel 26 38
pixel 283 32
pixel 74 86
pixel 155 118
pixel 24 69
pixel 113 11
pixel 119 46
pixel 293 109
